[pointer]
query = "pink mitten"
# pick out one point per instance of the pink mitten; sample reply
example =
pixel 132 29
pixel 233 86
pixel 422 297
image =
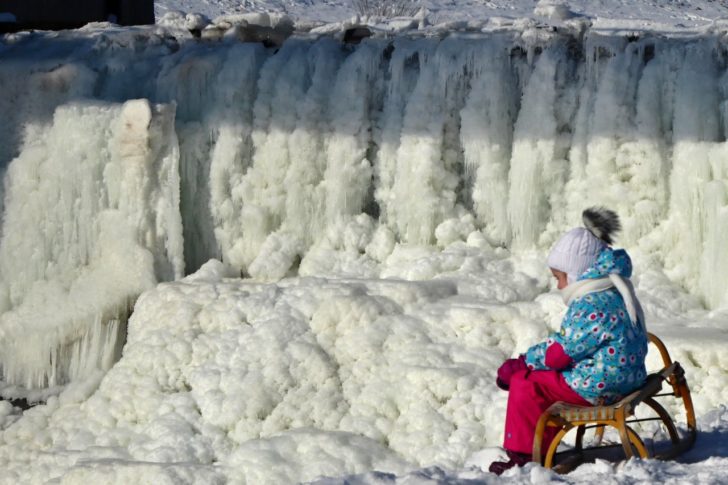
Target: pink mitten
pixel 507 369
pixel 556 358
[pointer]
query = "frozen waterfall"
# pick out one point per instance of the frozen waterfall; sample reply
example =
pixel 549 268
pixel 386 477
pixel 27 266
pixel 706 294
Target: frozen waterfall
pixel 130 157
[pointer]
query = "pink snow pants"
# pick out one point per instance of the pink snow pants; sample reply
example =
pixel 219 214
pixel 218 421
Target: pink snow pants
pixel 529 395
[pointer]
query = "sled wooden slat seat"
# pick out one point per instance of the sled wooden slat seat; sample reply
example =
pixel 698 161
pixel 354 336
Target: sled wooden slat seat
pixel 621 414
pixel 573 414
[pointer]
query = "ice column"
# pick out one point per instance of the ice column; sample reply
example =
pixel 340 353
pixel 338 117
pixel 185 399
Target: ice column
pixel 232 153
pixel 538 167
pixel 405 60
pixel 305 205
pixel 695 130
pixel 618 154
pixel 513 133
pixel 192 79
pixel 486 136
pixel 283 81
pixel 348 171
pixel 426 178
pixel 91 221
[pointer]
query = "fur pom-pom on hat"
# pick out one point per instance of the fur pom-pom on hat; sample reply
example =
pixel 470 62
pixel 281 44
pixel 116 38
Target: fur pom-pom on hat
pixel 579 248
pixel 602 222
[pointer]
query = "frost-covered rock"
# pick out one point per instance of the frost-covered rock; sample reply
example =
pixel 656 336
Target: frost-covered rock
pixel 553 9
pixel 196 21
pixel 172 19
pixel 275 21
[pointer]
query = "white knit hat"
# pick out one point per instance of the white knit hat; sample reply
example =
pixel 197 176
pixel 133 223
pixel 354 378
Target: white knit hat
pixel 575 252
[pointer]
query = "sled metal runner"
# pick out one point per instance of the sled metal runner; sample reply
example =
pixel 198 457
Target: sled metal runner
pixel 620 416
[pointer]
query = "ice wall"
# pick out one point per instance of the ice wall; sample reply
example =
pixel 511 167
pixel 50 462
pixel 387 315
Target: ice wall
pixel 512 134
pixel 290 156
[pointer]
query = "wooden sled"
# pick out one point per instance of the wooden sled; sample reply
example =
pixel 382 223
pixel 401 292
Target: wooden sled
pixel 620 416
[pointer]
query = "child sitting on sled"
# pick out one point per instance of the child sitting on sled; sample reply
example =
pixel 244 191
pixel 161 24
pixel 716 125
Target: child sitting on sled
pixel 597 357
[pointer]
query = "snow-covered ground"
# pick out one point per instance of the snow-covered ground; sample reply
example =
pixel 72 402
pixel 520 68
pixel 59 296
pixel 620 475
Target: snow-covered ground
pixel 224 380
pixel 635 14
pixel 389 206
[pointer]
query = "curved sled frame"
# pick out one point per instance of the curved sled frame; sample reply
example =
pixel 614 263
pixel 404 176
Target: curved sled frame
pixel 568 416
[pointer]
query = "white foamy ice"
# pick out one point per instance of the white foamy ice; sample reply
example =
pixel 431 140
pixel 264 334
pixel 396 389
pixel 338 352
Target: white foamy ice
pixel 91 220
pixel 224 379
pixel 290 381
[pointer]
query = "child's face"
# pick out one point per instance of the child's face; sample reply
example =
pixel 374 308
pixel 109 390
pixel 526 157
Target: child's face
pixel 561 278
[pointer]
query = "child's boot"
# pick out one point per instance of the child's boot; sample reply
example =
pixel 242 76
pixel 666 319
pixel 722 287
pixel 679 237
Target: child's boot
pixel 515 459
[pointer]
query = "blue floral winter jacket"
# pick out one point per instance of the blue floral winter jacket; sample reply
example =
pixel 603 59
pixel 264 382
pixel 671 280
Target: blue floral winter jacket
pixel 607 350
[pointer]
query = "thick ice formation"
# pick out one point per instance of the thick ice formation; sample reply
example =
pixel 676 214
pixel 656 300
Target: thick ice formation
pixel 515 133
pixel 91 220
pixel 410 186
pixel 511 134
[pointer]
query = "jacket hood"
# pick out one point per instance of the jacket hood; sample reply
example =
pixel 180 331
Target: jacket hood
pixel 608 262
